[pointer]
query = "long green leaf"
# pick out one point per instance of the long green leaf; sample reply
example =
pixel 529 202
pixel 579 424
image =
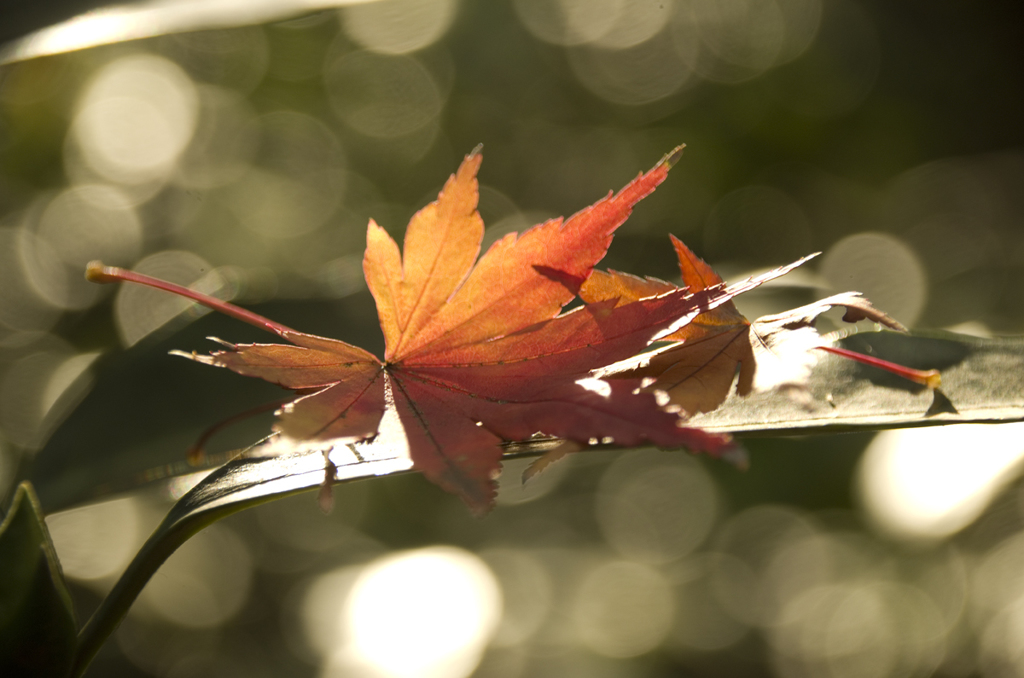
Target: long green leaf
pixel 104 23
pixel 981 383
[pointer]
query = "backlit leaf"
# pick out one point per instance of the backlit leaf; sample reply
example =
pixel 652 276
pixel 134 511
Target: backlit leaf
pixel 476 352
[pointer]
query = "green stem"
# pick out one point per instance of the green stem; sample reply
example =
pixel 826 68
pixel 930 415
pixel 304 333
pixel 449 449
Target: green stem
pixel 115 606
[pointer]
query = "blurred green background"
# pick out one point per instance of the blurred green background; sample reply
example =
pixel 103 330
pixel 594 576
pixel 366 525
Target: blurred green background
pixel 248 160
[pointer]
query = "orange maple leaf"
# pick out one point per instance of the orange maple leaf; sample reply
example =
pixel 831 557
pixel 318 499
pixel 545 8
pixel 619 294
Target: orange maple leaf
pixel 476 351
pixel 699 369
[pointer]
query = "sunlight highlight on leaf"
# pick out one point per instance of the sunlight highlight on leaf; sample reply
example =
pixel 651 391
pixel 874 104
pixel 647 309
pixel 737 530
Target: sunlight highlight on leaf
pixel 601 388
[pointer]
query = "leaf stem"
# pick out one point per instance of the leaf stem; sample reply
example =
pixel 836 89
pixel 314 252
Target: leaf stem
pixel 98 273
pixel 196 454
pixel 930 378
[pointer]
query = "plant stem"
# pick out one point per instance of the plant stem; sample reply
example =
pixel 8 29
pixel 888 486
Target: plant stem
pixel 930 378
pixel 98 273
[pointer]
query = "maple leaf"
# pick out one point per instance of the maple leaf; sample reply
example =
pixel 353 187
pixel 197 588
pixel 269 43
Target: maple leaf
pixel 699 369
pixel 476 351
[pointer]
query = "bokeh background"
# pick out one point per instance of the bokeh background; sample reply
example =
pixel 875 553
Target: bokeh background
pixel 248 160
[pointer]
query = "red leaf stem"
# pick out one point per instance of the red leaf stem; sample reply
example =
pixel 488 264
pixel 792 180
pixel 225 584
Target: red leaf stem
pixel 930 378
pixel 98 273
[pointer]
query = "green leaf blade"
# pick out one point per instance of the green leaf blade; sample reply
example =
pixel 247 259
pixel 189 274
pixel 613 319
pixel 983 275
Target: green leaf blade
pixel 981 382
pixel 37 623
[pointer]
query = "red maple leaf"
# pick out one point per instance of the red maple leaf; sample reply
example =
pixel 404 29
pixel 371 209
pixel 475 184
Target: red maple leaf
pixel 698 370
pixel 477 354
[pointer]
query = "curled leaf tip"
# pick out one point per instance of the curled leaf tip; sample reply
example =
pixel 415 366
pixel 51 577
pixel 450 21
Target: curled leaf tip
pixel 226 344
pixel 205 359
pixel 803 260
pixel 96 272
pixel 673 157
pixel 325 498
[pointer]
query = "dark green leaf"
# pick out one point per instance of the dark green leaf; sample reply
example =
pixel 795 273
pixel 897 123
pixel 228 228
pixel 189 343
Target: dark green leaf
pixel 37 625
